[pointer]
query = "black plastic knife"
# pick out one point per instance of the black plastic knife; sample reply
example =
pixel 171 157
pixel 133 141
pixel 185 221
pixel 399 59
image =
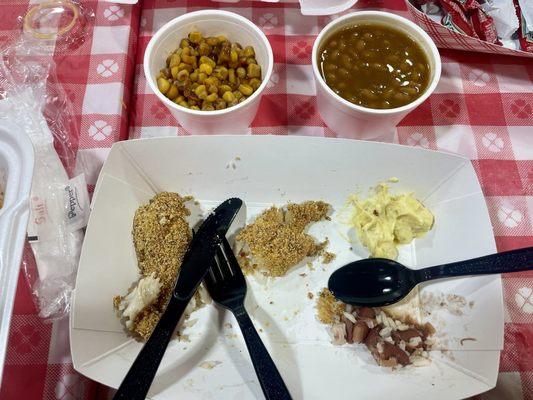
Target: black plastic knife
pixel 196 263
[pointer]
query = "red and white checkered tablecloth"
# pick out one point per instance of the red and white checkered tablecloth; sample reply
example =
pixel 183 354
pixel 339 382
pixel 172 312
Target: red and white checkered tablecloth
pixel 482 109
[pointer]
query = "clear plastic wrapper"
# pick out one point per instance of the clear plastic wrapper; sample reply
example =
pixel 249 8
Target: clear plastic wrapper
pixel 32 96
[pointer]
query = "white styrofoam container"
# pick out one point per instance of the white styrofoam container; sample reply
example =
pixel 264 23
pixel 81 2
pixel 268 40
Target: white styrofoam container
pixel 211 23
pixel 308 7
pixel 275 170
pixel 366 123
pixel 16 169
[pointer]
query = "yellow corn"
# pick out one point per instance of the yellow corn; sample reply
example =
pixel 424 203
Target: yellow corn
pixel 163 85
pixel 246 90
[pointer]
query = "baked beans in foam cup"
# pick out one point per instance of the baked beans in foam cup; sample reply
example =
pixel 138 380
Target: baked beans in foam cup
pixel 236 28
pixel 350 120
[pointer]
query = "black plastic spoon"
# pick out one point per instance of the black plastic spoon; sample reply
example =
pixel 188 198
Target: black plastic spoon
pixel 376 282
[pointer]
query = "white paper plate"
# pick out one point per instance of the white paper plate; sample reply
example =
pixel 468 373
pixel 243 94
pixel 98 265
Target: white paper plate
pixel 274 170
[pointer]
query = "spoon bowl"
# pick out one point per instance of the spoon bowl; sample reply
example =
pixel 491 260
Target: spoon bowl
pixel 376 282
pixel 372 282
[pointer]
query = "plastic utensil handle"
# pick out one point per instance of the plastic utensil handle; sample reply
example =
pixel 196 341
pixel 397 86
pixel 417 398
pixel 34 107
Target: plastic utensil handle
pixel 509 261
pixel 269 377
pixel 137 382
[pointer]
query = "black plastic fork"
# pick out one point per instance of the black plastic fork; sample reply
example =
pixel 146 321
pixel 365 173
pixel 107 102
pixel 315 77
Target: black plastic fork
pixel 227 286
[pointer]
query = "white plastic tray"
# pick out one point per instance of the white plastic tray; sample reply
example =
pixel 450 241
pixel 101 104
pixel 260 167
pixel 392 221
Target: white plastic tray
pixel 16 168
pixel 308 7
pixel 274 170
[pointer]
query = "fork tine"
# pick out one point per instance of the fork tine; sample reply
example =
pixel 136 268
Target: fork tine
pixel 221 264
pixel 211 272
pixel 233 264
pixel 225 257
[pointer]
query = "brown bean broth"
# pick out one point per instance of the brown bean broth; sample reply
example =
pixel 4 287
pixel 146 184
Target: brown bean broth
pixel 374 66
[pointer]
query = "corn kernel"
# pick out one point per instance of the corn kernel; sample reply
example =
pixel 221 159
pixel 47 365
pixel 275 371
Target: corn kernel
pixel 211 97
pixel 206 68
pixel 201 90
pixel 182 75
pixel 204 49
pixel 212 41
pixel 174 60
pixel 207 60
pixel 231 76
pixel 173 92
pixel 163 85
pixel 248 52
pixel 253 71
pixel 195 37
pixel 255 83
pixel 228 96
pixel 241 72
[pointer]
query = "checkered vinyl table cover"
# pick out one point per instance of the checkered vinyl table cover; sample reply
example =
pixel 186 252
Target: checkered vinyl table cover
pixel 482 109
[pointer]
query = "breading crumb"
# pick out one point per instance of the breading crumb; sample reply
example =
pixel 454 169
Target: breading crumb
pixel 328 307
pixel 328 257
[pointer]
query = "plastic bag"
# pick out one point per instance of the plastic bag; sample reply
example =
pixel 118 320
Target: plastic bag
pixel 32 96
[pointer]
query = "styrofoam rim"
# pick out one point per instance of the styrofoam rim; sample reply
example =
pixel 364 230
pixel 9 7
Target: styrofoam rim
pixel 434 54
pixel 206 13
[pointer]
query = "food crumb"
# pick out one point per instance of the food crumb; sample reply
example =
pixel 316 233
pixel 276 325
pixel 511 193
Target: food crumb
pixel 209 364
pixel 233 163
pixel 452 303
pixel 328 257
pixel 328 307
pixel 467 339
pixel 303 274
pixel 271 302
pixel 393 179
pixel 310 266
pixel 310 295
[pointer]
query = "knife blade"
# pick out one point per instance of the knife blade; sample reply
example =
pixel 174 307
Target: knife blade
pixel 195 264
